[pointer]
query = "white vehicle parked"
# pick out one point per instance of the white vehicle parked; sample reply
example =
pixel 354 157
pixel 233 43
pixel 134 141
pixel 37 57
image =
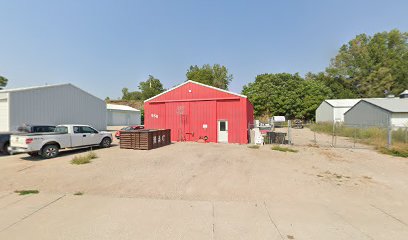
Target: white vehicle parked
pixel 48 145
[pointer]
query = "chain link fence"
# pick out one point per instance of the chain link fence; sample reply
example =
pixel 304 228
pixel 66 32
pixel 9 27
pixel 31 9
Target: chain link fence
pixel 338 135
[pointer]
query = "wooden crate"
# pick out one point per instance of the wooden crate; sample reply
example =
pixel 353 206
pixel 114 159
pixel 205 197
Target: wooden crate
pixel 145 139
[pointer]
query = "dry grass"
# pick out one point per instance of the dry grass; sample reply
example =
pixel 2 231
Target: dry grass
pixel 254 146
pixel 84 159
pixel 283 149
pixel 372 136
pixel 26 192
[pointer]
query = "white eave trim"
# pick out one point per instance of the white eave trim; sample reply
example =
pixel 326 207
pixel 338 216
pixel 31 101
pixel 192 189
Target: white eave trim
pixel 201 84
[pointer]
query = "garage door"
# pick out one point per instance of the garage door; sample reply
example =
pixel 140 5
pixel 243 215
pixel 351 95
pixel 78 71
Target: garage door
pixel 119 119
pixel 4 116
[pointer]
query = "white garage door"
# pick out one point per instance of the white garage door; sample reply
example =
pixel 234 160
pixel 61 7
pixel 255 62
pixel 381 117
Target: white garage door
pixel 120 119
pixel 4 116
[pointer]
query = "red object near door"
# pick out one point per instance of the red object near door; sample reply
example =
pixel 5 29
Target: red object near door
pixel 194 111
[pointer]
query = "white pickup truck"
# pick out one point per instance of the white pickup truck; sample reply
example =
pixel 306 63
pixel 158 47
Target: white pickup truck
pixel 48 145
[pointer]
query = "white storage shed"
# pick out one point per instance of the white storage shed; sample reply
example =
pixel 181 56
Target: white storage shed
pixel 333 110
pixel 50 104
pixel 380 112
pixel 122 115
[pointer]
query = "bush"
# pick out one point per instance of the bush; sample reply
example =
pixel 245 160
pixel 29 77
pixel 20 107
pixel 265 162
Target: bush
pixel 78 160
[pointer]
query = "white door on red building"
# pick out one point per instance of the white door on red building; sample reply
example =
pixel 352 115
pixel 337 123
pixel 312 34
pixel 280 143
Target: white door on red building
pixel 222 131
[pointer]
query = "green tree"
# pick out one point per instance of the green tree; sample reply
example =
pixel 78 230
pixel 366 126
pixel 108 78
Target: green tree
pixel 286 94
pixel 339 87
pixel 150 88
pixel 372 65
pixel 131 96
pixel 3 82
pixel 215 75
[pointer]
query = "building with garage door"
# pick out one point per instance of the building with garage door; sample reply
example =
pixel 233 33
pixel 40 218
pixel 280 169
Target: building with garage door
pixel 50 105
pixel 332 110
pixel 196 111
pixel 122 115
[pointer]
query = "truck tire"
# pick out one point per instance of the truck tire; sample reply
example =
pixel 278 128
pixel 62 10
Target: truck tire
pixel 106 142
pixel 50 151
pixel 5 148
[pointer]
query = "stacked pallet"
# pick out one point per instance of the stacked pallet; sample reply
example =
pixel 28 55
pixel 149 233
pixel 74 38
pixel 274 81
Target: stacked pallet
pixel 144 139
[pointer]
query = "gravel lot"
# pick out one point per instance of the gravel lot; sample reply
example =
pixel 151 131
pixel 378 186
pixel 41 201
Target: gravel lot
pixel 316 193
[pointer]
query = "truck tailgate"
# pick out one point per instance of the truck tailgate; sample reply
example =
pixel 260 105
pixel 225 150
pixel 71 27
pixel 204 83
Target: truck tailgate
pixel 18 141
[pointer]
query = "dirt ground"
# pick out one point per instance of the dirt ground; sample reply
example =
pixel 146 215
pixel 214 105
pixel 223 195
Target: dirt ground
pixel 356 185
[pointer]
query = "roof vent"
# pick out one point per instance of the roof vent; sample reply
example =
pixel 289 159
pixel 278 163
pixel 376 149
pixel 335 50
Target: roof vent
pixel 404 94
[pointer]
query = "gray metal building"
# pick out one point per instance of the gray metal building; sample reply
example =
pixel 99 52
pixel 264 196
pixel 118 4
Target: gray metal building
pixel 50 104
pixel 332 110
pixel 381 112
pixel 122 115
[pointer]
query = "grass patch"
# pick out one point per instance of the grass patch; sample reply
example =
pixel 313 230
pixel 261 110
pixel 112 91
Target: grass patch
pixel 84 159
pixel 396 151
pixel 375 136
pixel 283 149
pixel 254 146
pixel 78 193
pixel 26 192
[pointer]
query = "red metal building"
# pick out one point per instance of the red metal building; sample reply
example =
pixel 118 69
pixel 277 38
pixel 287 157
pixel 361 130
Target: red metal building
pixel 196 111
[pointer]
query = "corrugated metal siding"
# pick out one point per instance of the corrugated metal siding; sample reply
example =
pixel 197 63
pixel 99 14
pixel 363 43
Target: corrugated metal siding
pixel 339 113
pixel 324 113
pixel 155 115
pixel 56 105
pixel 399 119
pixel 4 112
pixel 364 113
pixel 197 92
pixel 178 120
pixel 229 110
pixel 203 113
pixel 123 118
pixel 201 106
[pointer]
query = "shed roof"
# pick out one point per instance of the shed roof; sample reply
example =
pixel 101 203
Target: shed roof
pixel 395 105
pixel 201 84
pixel 31 88
pixel 120 107
pixel 342 102
pixel 46 86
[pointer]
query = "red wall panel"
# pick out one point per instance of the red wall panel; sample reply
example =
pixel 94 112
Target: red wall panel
pixel 178 120
pixel 230 110
pixel 203 114
pixel 155 115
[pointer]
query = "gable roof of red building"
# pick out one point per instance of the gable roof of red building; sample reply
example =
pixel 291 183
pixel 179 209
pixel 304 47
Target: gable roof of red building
pixel 197 83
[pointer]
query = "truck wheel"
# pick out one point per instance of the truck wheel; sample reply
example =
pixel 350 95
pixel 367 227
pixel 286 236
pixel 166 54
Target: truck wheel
pixel 50 151
pixel 5 148
pixel 106 142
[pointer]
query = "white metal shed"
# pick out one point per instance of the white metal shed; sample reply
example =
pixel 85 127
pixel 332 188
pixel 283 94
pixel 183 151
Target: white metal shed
pixel 122 115
pixel 333 110
pixel 381 112
pixel 50 104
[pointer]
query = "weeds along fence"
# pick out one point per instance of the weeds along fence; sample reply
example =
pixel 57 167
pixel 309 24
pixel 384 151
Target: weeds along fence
pixel 391 140
pixel 360 136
